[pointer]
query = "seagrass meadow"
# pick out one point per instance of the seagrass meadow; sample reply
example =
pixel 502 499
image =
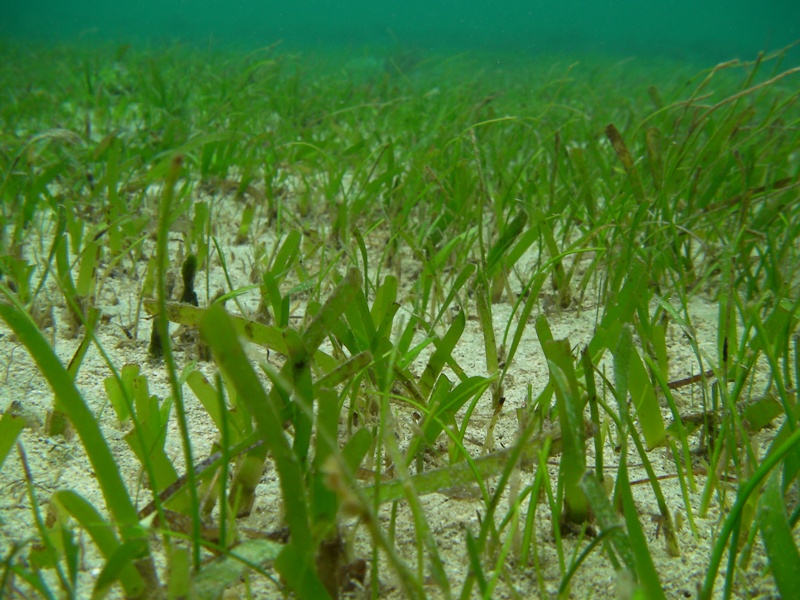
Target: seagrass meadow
pixel 390 323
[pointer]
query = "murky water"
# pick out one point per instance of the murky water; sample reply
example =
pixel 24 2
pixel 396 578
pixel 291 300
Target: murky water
pixel 707 29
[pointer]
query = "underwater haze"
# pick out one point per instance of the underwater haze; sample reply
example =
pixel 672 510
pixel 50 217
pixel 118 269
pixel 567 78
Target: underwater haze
pixel 707 29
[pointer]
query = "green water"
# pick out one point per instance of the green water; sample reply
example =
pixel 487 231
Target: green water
pixel 705 29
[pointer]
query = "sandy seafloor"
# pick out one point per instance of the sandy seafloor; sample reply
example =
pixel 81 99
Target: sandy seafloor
pixel 60 464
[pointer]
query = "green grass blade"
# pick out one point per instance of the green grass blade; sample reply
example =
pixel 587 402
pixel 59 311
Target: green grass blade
pixel 443 353
pixel 345 371
pixel 120 561
pixel 258 333
pixel 77 358
pixel 443 409
pixel 208 396
pixel 463 276
pixel 570 409
pixel 645 570
pixel 773 458
pixel 531 300
pixel 221 573
pixel 784 558
pixel 385 300
pixel 287 254
pixel 102 533
pixel 626 159
pixel 323 499
pixel 498 251
pixel 476 568
pixel 275 299
pixel 11 425
pixel 362 327
pixel 332 309
pixel 179 573
pixel 608 520
pixel 575 564
pixel 458 474
pixel 221 336
pixel 622 362
pixel 484 305
pixel 645 403
pixel 619 312
pixel 296 561
pixel 108 475
pixel 161 327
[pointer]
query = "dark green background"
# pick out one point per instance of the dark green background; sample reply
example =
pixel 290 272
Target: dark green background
pixel 713 29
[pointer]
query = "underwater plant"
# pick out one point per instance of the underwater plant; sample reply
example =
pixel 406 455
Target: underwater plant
pixel 500 332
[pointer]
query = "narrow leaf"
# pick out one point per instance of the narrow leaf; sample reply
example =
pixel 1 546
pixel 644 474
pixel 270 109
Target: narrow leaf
pixel 105 467
pixel 784 558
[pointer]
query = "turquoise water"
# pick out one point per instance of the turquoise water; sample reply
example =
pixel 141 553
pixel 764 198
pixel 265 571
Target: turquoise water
pixel 708 29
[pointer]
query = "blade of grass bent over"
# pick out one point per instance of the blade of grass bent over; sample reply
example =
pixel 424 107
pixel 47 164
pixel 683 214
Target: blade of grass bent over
pixel 220 334
pixel 106 469
pixel 218 330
